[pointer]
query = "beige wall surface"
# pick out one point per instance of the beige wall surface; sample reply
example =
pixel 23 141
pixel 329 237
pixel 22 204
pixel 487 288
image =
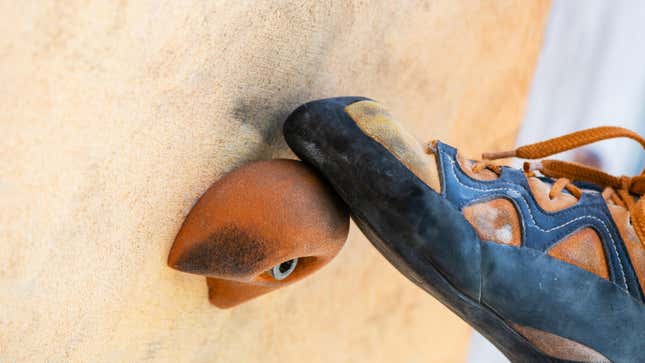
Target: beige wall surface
pixel 115 116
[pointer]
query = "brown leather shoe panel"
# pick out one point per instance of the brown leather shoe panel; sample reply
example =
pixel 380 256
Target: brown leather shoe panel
pixel 583 249
pixel 541 190
pixel 633 244
pixel 495 220
pixel 376 122
pixel 559 347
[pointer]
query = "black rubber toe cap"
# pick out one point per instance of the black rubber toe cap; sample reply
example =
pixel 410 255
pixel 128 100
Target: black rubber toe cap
pixel 315 123
pixel 383 193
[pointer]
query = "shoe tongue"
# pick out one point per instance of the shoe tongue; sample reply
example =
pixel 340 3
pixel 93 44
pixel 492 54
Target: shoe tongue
pixel 541 188
pixel 630 223
pixel 467 166
pixel 632 240
pixel 638 218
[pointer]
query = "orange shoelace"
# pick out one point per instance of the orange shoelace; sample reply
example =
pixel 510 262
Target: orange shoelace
pixel 622 190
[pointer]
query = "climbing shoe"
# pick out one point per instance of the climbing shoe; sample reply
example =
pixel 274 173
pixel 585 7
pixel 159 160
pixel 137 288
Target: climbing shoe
pixel 546 261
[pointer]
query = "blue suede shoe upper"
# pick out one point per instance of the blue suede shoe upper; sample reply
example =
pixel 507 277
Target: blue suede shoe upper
pixel 540 229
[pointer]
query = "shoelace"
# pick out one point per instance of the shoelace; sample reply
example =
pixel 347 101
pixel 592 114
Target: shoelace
pixel 622 190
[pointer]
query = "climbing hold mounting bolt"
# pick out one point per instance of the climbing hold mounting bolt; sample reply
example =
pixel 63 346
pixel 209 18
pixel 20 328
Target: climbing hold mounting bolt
pixel 283 270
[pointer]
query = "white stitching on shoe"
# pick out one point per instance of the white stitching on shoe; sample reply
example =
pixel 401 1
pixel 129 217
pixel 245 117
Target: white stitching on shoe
pixel 515 193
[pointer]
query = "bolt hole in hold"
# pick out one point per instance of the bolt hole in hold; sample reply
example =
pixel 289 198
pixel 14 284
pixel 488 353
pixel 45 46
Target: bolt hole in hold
pixel 283 270
pixel 239 232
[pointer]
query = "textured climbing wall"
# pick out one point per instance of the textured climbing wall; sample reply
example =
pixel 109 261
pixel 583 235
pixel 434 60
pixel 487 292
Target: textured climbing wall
pixel 116 116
